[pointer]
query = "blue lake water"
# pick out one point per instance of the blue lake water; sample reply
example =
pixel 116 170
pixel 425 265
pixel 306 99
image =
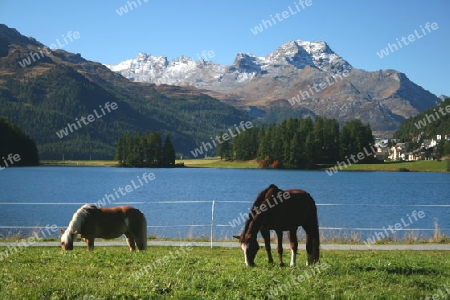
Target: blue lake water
pixel 178 203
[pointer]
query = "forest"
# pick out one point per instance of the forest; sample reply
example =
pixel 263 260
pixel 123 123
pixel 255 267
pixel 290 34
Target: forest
pixel 299 143
pixel 145 150
pixel 14 142
pixel 47 103
pixel 293 144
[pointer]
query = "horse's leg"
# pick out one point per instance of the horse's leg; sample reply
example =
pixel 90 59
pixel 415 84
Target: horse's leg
pixel 90 243
pixel 130 242
pixel 294 246
pixel 280 247
pixel 266 235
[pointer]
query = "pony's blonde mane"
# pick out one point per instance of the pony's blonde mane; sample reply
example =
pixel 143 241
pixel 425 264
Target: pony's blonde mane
pixel 78 218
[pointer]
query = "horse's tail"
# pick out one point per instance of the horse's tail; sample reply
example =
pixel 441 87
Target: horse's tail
pixel 313 233
pixel 138 227
pixel 142 245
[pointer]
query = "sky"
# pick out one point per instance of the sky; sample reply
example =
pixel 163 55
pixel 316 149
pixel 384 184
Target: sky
pixel 219 30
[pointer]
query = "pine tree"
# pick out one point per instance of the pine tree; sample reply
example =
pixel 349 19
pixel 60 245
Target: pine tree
pixel 168 153
pixel 120 150
pixel 225 149
pixel 153 149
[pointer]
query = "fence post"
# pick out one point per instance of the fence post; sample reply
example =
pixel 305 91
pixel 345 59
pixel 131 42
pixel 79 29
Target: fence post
pixel 212 222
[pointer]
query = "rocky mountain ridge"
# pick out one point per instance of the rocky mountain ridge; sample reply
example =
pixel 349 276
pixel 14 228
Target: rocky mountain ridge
pixel 297 79
pixel 46 91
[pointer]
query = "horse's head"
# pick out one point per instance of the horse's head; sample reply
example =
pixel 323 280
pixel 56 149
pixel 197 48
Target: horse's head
pixel 250 246
pixel 67 239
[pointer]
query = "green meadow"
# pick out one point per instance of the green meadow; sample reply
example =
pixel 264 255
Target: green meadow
pixel 413 166
pixel 202 273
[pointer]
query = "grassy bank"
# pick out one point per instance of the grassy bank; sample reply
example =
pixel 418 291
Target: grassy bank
pixel 416 166
pixel 217 163
pixel 412 166
pixel 79 163
pixel 202 273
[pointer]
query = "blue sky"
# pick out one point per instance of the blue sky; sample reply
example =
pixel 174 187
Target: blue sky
pixel 354 29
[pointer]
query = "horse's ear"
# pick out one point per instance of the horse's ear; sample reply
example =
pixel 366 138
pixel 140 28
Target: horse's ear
pixel 62 231
pixel 237 237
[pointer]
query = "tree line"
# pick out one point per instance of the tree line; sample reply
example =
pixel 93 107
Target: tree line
pixel 44 104
pixel 13 141
pixel 300 143
pixel 145 150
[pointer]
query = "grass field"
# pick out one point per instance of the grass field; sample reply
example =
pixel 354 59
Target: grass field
pixel 413 166
pixel 416 166
pixel 80 163
pixel 202 273
pixel 217 163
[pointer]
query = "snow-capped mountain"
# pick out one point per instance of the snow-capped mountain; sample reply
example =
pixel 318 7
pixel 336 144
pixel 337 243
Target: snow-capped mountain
pixel 299 78
pixel 183 70
pixel 157 69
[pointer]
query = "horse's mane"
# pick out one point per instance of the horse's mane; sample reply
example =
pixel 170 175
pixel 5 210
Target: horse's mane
pixel 259 200
pixel 262 195
pixel 79 216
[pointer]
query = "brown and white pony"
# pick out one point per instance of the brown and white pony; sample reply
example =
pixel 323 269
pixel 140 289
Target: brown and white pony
pixel 92 222
pixel 279 210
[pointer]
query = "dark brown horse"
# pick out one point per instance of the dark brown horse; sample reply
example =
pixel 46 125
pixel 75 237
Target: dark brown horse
pixel 279 210
pixel 92 222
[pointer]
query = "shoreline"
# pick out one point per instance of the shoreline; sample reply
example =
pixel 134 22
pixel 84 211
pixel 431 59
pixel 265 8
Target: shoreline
pixel 414 166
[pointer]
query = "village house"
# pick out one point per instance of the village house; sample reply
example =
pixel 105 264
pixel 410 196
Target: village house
pixel 381 145
pixel 413 156
pixel 398 152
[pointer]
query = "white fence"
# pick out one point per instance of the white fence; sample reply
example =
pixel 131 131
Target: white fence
pixel 212 223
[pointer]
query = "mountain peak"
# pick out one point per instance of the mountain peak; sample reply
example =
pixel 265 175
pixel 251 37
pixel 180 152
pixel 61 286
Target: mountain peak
pixel 10 36
pixel 307 74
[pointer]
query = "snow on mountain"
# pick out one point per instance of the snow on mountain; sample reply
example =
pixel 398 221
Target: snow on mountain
pixel 298 76
pixel 205 74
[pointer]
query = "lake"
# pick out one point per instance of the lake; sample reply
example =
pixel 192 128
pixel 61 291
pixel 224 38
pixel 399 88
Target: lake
pixel 178 203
